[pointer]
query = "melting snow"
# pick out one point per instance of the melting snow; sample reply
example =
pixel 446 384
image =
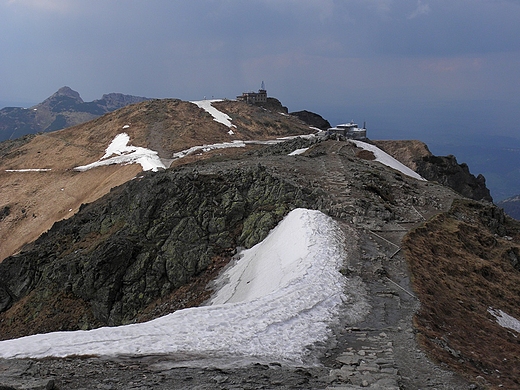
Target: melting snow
pixel 236 144
pixel 505 320
pixel 126 154
pixel 218 116
pixel 29 170
pixel 298 151
pixel 386 159
pixel 207 148
pixel 280 297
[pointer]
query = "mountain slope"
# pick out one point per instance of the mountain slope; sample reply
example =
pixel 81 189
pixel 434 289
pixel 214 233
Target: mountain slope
pixel 150 246
pixel 511 206
pixel 466 268
pixel 63 109
pixel 34 200
pixel 443 169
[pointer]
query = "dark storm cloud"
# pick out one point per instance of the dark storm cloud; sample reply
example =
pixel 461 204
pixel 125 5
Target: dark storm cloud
pixel 312 54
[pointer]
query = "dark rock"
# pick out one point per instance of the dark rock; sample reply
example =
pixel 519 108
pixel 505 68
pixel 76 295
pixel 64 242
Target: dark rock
pixel 448 172
pixel 312 119
pixel 146 239
pixel 274 105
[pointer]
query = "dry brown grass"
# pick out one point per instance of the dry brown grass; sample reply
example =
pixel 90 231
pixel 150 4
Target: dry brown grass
pixel 460 269
pixel 33 201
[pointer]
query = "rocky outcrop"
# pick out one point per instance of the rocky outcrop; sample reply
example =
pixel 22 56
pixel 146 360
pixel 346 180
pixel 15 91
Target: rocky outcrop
pixel 312 119
pixel 274 105
pixel 62 109
pixel 115 101
pixel 447 171
pixel 443 169
pixel 141 242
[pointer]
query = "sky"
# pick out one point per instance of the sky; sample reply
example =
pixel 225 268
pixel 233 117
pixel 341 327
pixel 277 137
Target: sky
pixel 434 70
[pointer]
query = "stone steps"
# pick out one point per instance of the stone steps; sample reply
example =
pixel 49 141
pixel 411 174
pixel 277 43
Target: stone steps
pixel 368 362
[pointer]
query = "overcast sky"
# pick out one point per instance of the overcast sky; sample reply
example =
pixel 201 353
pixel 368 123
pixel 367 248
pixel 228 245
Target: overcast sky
pixel 398 64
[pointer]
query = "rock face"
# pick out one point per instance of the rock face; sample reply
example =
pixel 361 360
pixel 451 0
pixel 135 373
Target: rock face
pixel 63 109
pixel 443 169
pixel 143 241
pixel 448 172
pixel 274 105
pixel 312 119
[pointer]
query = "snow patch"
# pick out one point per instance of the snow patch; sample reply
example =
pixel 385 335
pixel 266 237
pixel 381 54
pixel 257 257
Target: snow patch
pixel 217 115
pixel 298 151
pixel 386 159
pixel 126 126
pixel 236 144
pixel 505 320
pixel 280 297
pixel 29 170
pixel 126 154
pixel 207 148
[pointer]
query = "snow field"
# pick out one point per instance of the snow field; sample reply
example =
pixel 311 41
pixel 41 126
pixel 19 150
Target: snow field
pixel 386 159
pixel 126 154
pixel 298 152
pixel 29 170
pixel 505 320
pixel 279 298
pixel 207 148
pixel 217 115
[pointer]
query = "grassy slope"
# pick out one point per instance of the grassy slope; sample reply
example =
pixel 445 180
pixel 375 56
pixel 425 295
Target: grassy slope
pixel 462 264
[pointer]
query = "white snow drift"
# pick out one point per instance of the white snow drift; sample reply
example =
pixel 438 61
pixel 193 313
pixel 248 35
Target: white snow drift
pixel 505 320
pixel 217 115
pixel 386 159
pixel 29 170
pixel 119 152
pixel 278 299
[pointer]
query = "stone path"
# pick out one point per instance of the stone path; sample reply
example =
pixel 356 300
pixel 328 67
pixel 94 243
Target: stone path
pixel 371 365
pixel 381 352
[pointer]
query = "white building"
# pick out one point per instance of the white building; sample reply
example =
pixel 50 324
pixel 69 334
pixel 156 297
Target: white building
pixel 349 130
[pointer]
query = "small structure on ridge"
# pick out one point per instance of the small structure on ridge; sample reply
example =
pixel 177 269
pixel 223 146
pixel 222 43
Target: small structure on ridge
pixel 254 97
pixel 349 130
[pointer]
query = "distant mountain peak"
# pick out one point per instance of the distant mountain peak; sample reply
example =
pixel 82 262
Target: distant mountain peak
pixel 62 109
pixel 65 92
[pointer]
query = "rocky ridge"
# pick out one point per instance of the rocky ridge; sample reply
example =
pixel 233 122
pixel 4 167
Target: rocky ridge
pixel 248 191
pixel 443 169
pixel 375 205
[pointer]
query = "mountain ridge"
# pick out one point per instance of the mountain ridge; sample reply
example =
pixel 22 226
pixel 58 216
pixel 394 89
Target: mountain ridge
pixel 511 206
pixel 113 235
pixel 62 109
